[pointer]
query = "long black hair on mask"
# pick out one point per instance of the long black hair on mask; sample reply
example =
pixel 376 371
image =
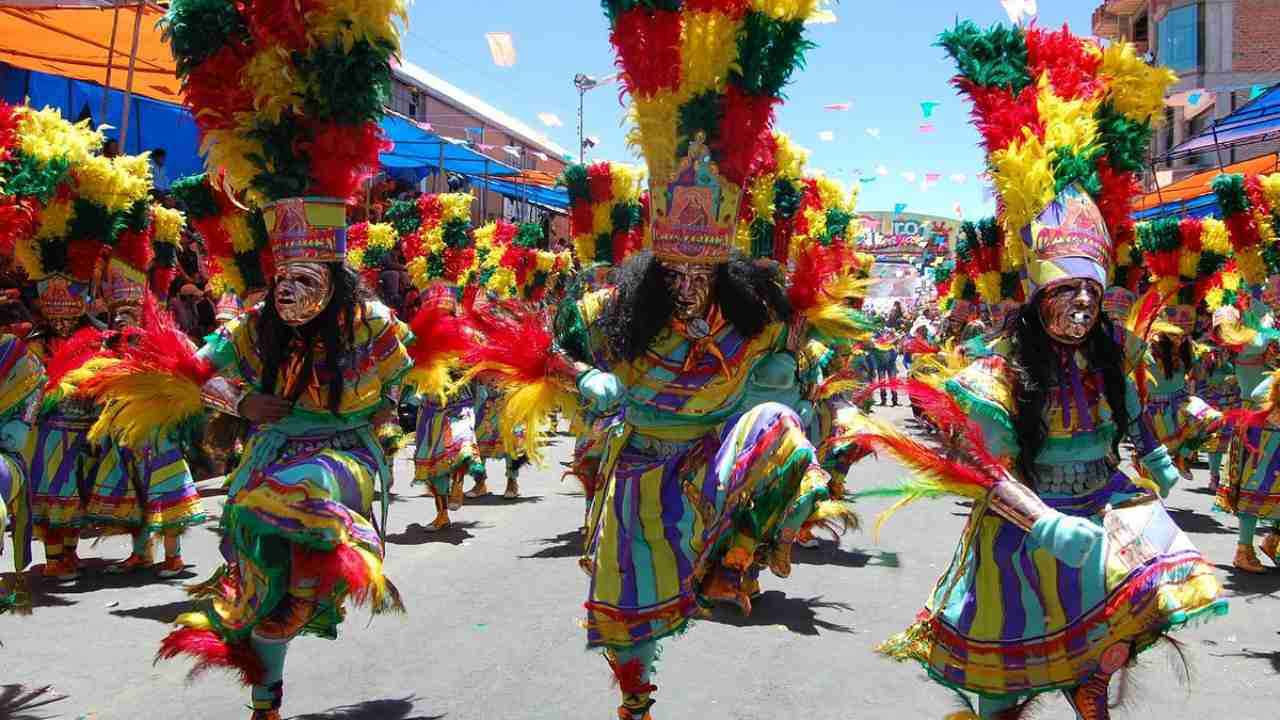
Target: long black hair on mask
pixel 1165 348
pixel 334 328
pixel 750 296
pixel 1035 363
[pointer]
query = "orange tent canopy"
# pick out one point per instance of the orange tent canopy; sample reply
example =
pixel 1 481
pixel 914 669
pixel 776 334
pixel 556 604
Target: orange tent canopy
pixel 75 42
pixel 1199 184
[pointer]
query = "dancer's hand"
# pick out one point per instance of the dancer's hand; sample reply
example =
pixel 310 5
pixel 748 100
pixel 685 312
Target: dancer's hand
pixel 601 389
pixel 264 409
pixel 1069 538
pixel 1160 465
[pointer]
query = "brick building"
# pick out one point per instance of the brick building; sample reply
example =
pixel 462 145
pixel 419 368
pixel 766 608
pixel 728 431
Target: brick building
pixel 1221 50
pixel 453 113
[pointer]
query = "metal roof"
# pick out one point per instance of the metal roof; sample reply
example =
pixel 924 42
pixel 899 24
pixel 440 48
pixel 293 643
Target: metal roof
pixel 414 75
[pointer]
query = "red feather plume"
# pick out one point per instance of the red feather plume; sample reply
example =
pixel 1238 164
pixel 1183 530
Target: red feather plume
pixel 68 355
pixel 211 651
pixel 512 336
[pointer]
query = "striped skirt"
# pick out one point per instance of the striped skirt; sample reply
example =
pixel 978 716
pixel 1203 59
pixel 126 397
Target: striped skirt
pixel 488 437
pixel 62 464
pixel 1222 397
pixel 15 503
pixel 169 499
pixel 663 520
pixel 293 529
pixel 1180 421
pixel 1252 483
pixel 1008 620
pixel 446 438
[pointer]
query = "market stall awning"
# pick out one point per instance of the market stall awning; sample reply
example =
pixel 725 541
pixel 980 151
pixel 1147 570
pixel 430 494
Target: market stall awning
pixel 1194 186
pixel 1257 121
pixel 153 124
pixel 548 197
pixel 1200 206
pixel 76 42
pixel 415 147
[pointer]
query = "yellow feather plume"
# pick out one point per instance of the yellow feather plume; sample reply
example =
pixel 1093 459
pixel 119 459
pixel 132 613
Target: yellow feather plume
pixel 709 42
pixel 144 405
pixel 526 417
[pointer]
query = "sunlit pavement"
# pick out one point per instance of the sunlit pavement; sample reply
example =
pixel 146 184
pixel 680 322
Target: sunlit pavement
pixel 492 628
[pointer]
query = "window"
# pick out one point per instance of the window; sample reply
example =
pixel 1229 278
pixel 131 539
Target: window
pixel 1178 38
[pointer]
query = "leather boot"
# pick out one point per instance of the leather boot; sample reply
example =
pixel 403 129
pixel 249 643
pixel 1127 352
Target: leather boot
pixel 1247 560
pixel 442 520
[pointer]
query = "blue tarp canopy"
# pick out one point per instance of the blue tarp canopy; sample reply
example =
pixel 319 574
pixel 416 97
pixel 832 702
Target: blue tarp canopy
pixel 417 148
pixel 152 124
pixel 553 198
pixel 1257 121
pixel 1197 207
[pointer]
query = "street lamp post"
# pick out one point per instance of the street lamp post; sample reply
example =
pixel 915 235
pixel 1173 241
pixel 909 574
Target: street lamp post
pixel 583 83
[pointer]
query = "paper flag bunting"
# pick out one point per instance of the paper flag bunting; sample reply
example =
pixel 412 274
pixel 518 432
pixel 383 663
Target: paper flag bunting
pixel 826 135
pixel 927 127
pixel 909 176
pixel 874 132
pixel 1017 9
pixel 820 17
pixel 928 106
pixel 502 47
pixel 485 148
pixel 841 107
pixel 1194 98
pixel 958 178
pixel 898 208
pixel 865 180
pixel 932 177
pixel 512 150
pixel 550 119
pixel 541 156
pixel 957 210
pixel 882 170
pixel 425 126
pixel 1257 90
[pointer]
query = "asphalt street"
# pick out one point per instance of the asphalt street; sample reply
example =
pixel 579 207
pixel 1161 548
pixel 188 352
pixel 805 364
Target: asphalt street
pixel 492 628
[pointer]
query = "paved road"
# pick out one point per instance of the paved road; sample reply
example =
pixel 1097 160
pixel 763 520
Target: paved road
pixel 492 632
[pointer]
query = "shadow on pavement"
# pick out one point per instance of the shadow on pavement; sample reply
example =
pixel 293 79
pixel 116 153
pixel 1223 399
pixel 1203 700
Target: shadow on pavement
pixel 18 702
pixel 417 534
pixel 1243 583
pixel 831 554
pixel 372 710
pixel 92 579
pixel 799 615
pixel 564 545
pixel 494 499
pixel 1192 521
pixel 165 613
pixel 1272 657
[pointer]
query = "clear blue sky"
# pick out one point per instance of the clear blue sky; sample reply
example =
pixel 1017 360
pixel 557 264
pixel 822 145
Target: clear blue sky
pixel 879 56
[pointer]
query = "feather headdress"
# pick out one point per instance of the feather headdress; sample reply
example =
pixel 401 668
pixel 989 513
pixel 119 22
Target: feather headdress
pixel 606 211
pixel 435 233
pixel 1065 124
pixel 235 235
pixel 705 78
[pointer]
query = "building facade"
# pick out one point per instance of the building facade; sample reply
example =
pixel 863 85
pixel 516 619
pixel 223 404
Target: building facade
pixel 453 113
pixel 1221 49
